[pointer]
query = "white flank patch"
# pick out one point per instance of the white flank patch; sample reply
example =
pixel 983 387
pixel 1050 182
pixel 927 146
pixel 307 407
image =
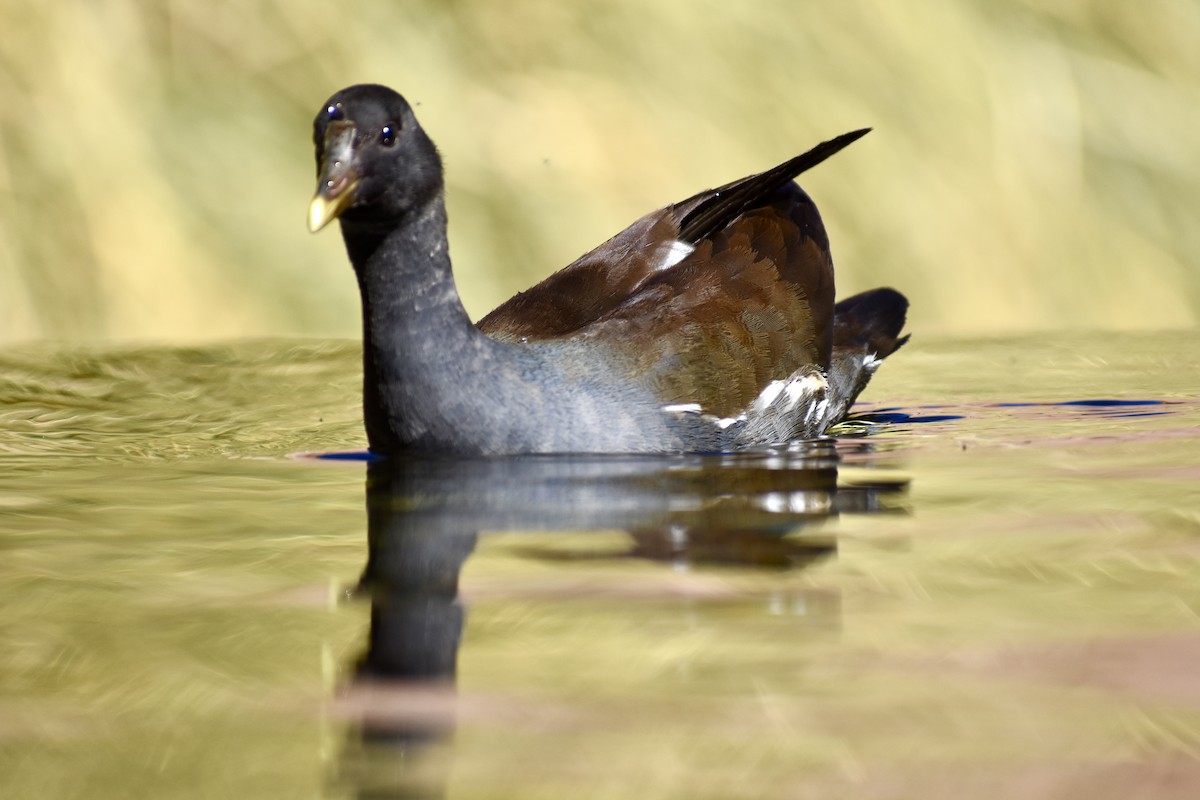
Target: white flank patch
pixel 675 252
pixel 817 410
pixel 769 393
pixel 794 391
pixel 806 386
pixel 871 362
pixel 806 394
pixel 682 408
pixel 694 408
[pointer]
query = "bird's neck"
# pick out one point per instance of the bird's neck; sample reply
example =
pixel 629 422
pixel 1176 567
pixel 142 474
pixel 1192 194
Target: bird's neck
pixel 417 336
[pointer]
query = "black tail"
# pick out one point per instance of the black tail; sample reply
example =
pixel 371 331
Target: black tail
pixel 726 203
pixel 866 329
pixel 871 321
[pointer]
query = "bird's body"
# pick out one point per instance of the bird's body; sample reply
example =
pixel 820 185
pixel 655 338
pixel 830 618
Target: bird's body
pixel 707 326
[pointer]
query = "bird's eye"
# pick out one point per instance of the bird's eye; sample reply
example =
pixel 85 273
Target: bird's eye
pixel 334 112
pixel 387 137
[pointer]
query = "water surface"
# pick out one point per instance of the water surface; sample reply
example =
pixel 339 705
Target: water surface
pixel 988 586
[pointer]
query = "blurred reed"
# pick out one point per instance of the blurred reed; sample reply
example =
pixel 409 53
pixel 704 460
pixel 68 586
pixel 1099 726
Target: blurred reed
pixel 1035 164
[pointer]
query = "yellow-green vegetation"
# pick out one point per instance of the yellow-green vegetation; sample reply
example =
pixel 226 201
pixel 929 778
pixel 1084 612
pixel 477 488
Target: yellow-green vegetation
pixel 1035 164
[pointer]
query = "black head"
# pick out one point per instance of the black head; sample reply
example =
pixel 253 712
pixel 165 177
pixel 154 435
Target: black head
pixel 374 163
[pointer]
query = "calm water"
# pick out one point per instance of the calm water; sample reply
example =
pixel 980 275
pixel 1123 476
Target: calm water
pixel 987 589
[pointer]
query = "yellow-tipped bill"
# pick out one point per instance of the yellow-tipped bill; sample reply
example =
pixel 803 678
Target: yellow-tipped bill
pixel 324 209
pixel 337 179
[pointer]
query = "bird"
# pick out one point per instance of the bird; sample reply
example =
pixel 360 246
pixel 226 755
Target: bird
pixel 707 326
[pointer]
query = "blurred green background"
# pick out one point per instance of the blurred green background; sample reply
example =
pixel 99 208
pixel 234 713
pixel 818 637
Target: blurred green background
pixel 1035 165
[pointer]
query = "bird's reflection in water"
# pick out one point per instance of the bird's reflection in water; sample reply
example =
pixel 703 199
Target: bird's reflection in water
pixel 424 517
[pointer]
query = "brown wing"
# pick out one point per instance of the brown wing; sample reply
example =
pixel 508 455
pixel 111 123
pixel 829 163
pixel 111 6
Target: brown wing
pixel 609 276
pixel 752 304
pixel 592 285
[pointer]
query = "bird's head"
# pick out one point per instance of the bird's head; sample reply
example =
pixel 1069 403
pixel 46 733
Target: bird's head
pixel 374 163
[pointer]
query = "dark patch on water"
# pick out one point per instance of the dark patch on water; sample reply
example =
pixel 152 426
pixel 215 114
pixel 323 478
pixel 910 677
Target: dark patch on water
pixel 895 416
pixel 1088 403
pixel 347 455
pixel 1100 407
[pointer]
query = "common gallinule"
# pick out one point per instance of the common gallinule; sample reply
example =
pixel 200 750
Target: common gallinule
pixel 706 326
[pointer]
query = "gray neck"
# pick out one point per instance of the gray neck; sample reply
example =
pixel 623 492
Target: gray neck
pixel 433 383
pixel 420 350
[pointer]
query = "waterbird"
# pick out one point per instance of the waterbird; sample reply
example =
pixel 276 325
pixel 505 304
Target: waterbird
pixel 706 326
